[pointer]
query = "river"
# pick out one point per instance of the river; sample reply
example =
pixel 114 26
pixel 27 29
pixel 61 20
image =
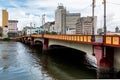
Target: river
pixel 21 62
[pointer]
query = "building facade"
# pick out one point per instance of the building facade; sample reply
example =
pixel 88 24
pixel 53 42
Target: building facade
pixel 12 28
pixel 48 26
pixel 64 20
pixel 31 30
pixel 5 32
pixel 60 19
pixel 84 25
pixel 4 18
pixel 71 20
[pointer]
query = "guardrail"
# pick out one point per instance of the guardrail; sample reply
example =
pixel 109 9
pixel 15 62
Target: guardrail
pixel 112 40
pixel 108 40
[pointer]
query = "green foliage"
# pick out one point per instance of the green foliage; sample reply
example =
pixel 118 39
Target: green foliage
pixel 50 32
pixel 53 33
pixel 6 39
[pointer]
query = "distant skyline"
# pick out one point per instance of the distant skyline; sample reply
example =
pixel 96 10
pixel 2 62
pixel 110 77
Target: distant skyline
pixel 26 11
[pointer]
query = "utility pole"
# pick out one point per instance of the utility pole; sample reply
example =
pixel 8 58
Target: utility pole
pixel 93 6
pixel 104 2
pixel 93 36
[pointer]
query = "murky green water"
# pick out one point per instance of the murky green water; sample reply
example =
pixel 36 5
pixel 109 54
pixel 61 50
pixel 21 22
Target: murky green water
pixel 20 62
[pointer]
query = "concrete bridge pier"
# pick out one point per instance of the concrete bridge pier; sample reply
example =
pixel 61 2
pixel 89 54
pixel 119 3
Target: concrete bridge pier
pixel 32 41
pixel 105 62
pixel 23 40
pixel 26 40
pixel 45 44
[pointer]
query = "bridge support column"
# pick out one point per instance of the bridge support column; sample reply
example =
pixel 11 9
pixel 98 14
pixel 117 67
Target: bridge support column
pixel 32 41
pixel 45 44
pixel 22 39
pixel 26 40
pixel 105 59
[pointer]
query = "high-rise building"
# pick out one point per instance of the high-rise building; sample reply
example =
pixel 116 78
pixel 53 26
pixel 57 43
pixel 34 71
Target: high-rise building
pixel 60 19
pixel 84 25
pixel 65 21
pixel 71 20
pixel 4 18
pixel 12 28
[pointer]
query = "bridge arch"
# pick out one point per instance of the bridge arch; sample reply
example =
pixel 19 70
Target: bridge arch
pixel 79 46
pixel 78 55
pixel 38 41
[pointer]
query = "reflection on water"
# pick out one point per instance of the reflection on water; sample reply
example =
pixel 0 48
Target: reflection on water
pixel 69 64
pixel 19 62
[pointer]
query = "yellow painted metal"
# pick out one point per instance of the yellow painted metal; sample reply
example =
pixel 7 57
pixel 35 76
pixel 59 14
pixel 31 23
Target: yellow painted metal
pixel 89 38
pixel 81 38
pixel 116 40
pixel 85 38
pixel 108 40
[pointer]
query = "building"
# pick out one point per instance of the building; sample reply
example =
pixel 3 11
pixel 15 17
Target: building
pixel 4 18
pixel 84 25
pixel 60 19
pixel 71 20
pixel 48 27
pixel 19 33
pixel 100 31
pixel 64 20
pixel 29 30
pixel 117 30
pixel 12 28
pixel 39 30
pixel 5 32
pixel 52 27
pixel 1 31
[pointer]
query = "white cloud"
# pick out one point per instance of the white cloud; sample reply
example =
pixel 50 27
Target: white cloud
pixel 34 9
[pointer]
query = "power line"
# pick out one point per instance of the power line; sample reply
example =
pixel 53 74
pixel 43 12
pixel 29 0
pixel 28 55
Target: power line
pixel 85 8
pixel 113 3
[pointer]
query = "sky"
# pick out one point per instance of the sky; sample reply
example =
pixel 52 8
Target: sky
pixel 27 11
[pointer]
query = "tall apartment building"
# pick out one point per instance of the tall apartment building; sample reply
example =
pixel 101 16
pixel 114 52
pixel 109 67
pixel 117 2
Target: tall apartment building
pixel 60 19
pixel 12 28
pixel 84 25
pixel 4 18
pixel 71 20
pixel 65 21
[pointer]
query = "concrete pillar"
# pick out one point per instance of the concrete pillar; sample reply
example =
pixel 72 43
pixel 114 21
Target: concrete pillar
pixel 98 51
pixel 45 44
pixel 105 59
pixel 26 41
pixel 32 41
pixel 23 40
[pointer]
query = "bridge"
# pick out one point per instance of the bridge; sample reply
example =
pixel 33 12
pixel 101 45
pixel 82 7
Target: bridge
pixel 106 49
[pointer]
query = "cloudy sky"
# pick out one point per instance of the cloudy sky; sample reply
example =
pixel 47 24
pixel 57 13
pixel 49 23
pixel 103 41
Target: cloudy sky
pixel 26 11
